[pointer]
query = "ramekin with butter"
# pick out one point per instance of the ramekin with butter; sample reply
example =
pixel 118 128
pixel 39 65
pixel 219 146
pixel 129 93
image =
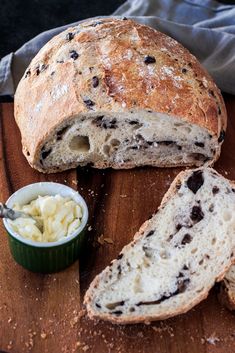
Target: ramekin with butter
pixel 58 216
pixel 54 237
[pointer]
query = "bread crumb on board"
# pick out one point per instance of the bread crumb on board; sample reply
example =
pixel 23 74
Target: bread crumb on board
pixel 43 335
pixel 102 240
pixel 10 345
pixel 212 340
pixel 74 321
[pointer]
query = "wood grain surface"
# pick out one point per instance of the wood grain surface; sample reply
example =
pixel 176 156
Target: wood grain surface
pixel 42 313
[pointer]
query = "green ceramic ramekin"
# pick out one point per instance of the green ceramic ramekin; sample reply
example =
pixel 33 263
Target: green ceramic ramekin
pixel 50 256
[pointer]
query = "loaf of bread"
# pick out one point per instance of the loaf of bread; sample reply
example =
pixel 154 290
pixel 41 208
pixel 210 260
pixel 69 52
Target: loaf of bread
pixel 227 289
pixel 175 257
pixel 114 93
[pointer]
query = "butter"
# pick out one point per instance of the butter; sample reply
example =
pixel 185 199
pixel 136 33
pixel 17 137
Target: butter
pixel 59 215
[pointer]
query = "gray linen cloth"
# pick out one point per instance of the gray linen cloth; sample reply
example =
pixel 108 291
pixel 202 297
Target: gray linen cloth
pixel 205 27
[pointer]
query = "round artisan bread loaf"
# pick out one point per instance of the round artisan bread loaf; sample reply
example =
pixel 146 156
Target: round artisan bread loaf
pixel 114 93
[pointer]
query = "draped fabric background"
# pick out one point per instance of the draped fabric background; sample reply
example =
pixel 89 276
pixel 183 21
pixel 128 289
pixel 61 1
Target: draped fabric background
pixel 205 27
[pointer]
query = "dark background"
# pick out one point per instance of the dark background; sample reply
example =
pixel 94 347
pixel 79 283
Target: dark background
pixel 21 20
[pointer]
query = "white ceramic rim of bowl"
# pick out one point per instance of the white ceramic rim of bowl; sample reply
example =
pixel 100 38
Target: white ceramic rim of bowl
pixel 32 191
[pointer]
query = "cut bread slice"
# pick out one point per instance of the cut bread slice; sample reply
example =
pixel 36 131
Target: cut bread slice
pixel 175 257
pixel 227 289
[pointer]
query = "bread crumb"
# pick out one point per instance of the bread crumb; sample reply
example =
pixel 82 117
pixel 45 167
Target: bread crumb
pixel 74 321
pixel 89 228
pixel 108 240
pixel 9 346
pixel 212 340
pixel 43 335
pixel 81 313
pixel 156 329
pixel 101 240
pixel 85 348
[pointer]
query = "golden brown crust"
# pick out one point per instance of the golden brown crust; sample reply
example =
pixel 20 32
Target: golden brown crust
pixel 58 81
pixel 126 165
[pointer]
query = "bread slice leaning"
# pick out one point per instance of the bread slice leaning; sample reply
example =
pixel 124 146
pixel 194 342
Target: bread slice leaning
pixel 175 257
pixel 227 289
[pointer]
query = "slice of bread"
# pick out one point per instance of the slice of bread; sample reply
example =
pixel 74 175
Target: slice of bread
pixel 175 257
pixel 227 289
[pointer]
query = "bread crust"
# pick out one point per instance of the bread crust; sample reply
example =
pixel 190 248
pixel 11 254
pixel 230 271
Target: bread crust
pixel 146 319
pixel 56 83
pixel 126 165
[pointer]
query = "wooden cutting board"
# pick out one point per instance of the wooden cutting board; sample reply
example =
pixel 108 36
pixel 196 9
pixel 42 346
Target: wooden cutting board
pixel 40 313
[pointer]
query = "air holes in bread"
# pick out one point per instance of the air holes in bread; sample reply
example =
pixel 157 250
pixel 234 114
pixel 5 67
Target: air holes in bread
pixel 187 129
pixel 114 143
pixel 135 124
pixel 164 255
pixel 150 233
pixel 45 153
pixel 61 132
pixel 211 208
pixel 79 144
pixel 112 306
pixel 221 136
pixel 105 123
pixel 106 150
pixel 107 137
pixel 199 144
pixel 137 285
pixel 198 157
pixel 227 216
pixel 147 251
pixel 213 241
